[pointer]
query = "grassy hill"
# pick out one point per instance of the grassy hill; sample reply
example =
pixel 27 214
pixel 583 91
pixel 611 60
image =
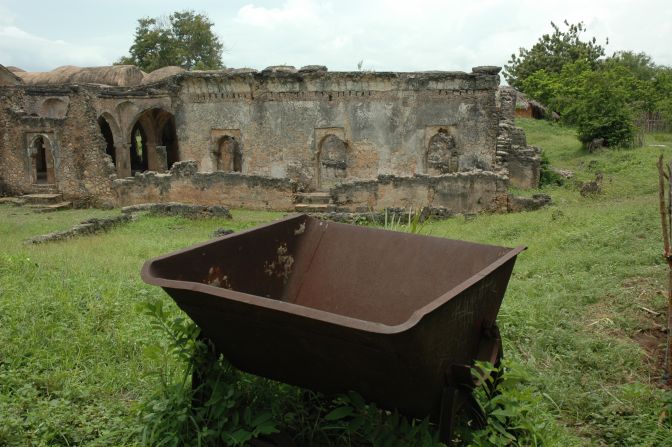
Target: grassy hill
pixel 78 356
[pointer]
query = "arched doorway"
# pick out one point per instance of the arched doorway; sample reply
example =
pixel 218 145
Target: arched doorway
pixel 168 138
pixel 153 141
pixel 230 157
pixel 42 161
pixel 139 156
pixel 106 131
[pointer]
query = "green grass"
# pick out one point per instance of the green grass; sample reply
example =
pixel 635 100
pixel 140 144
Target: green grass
pixel 72 361
pixel 73 344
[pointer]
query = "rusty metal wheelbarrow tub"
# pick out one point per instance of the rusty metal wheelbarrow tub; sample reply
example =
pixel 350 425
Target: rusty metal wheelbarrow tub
pixel 394 316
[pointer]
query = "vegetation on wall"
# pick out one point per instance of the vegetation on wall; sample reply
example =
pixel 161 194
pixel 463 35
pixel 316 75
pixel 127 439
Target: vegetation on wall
pixel 184 39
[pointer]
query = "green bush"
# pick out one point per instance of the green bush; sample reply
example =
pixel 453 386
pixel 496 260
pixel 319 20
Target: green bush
pixel 547 176
pixel 598 102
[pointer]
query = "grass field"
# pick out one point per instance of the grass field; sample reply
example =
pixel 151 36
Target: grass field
pixel 74 357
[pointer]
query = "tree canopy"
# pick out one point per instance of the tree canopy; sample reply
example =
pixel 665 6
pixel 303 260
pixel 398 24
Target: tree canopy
pixel 184 38
pixel 604 98
pixel 552 52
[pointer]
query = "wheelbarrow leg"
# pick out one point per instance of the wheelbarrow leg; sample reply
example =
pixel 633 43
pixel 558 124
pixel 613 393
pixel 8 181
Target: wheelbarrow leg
pixel 455 400
pixel 449 409
pixel 200 371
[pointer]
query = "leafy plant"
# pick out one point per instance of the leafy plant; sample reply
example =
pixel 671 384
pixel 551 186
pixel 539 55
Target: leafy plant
pixel 547 176
pixel 511 408
pixel 219 411
pixel 366 424
pixel 410 221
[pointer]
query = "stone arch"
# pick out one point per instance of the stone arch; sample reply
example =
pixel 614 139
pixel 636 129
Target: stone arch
pixel 54 108
pixel 139 149
pixel 153 141
pixel 42 160
pixel 108 136
pixel 442 156
pixel 229 154
pixel 167 137
pixel 332 161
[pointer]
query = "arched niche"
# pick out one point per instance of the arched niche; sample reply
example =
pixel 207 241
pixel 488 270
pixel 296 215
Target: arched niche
pixel 332 161
pixel 54 108
pixel 442 156
pixel 229 154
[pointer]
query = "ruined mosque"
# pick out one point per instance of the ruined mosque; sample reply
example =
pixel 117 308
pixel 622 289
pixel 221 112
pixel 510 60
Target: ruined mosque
pixel 277 139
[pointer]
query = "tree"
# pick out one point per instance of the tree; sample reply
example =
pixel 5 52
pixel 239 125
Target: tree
pixel 184 39
pixel 552 52
pixel 601 103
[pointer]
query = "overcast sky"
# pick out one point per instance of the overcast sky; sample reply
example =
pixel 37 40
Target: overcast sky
pixel 408 35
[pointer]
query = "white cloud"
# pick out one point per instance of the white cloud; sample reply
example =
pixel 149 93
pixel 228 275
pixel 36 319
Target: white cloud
pixel 292 13
pixel 385 34
pixel 31 52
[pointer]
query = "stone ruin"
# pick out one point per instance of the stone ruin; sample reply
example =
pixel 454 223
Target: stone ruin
pixel 361 141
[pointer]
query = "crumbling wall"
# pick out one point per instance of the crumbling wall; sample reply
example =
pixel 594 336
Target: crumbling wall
pixel 386 120
pixel 66 120
pixel 513 154
pixel 464 192
pixel 184 184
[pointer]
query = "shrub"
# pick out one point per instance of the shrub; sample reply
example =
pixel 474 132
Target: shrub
pixel 547 176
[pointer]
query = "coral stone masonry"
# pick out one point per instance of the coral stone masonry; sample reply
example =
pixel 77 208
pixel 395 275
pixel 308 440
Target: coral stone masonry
pixel 115 136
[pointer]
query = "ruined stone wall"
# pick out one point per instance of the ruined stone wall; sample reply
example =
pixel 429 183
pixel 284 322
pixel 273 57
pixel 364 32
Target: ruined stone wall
pixel 465 192
pixel 385 120
pixel 66 120
pixel 184 184
pixel 522 161
pixel 375 140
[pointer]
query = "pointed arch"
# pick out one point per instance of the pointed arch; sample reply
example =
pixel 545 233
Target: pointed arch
pixel 153 141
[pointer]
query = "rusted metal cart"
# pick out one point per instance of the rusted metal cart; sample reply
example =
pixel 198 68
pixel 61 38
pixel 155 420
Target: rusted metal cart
pixel 399 318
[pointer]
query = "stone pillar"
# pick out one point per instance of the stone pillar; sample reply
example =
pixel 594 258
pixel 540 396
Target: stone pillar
pixel 122 153
pixel 161 159
pixel 151 154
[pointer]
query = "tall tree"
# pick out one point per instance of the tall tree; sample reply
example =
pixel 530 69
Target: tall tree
pixel 552 52
pixel 185 39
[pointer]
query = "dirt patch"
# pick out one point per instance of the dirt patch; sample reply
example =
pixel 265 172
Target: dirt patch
pixel 646 310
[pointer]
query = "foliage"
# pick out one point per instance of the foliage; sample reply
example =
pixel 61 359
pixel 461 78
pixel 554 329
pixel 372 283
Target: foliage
pixel 411 221
pixel 600 103
pixel 185 39
pixel 547 176
pixel 603 97
pixel 552 52
pixel 511 408
pixel 229 416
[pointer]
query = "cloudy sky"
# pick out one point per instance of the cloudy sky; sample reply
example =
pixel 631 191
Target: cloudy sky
pixel 409 35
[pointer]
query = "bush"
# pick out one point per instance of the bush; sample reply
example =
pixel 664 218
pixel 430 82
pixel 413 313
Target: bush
pixel 600 103
pixel 547 176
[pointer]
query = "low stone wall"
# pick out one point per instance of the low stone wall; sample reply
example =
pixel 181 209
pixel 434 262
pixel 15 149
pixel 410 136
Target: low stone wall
pixel 184 184
pixel 462 192
pixel 179 209
pixel 86 227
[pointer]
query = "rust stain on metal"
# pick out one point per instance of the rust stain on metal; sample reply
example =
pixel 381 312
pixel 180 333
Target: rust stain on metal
pixel 216 278
pixel 301 229
pixel 281 266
